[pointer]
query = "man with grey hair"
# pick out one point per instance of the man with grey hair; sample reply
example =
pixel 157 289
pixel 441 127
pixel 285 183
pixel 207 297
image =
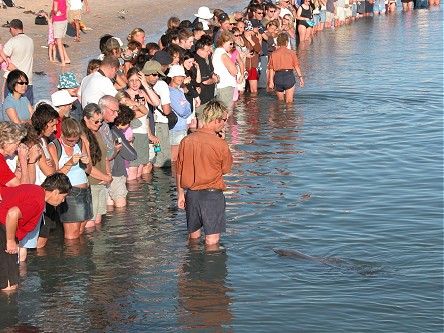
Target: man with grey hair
pixel 110 108
pixel 98 84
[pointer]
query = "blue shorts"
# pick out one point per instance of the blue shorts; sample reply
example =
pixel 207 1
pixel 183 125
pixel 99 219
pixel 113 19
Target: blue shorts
pixel 177 136
pixel 205 209
pixel 316 19
pixel 379 8
pixel 284 80
pixel 30 240
pixel 354 9
pixel 323 16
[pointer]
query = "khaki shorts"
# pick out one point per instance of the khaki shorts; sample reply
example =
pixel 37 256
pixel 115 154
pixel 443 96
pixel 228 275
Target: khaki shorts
pixel 60 29
pixel 117 189
pixel 98 200
pixel 74 15
pixel 330 17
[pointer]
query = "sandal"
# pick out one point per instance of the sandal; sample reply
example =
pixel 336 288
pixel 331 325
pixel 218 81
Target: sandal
pixel 76 39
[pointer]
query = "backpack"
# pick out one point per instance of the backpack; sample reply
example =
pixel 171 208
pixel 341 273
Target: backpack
pixel 58 146
pixel 9 3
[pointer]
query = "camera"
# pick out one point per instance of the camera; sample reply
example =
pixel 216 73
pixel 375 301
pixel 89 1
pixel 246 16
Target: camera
pixel 157 148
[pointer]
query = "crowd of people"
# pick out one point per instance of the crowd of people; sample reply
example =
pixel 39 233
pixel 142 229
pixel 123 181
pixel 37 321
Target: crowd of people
pixel 143 105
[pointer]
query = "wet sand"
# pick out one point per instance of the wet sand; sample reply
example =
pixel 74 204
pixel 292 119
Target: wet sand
pixel 103 18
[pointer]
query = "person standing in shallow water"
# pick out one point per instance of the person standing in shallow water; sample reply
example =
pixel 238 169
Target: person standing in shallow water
pixel 203 159
pixel 281 65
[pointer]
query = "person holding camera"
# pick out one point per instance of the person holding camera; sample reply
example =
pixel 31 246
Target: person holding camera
pixel 71 157
pixel 209 79
pixel 253 42
pixel 141 97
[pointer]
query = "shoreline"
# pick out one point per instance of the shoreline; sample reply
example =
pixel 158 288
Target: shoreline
pixel 101 22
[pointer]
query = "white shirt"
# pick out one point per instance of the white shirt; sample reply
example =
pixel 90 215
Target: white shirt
pixel 75 4
pixel 161 89
pixel 285 11
pixel 94 86
pixel 225 77
pixel 21 50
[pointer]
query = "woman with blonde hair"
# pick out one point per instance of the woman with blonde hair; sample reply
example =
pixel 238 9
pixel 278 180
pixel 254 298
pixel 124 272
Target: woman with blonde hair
pixel 11 135
pixel 225 68
pixel 138 34
pixel 289 28
pixel 172 23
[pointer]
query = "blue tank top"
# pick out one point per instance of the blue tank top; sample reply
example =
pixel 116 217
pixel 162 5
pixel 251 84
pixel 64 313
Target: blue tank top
pixel 75 174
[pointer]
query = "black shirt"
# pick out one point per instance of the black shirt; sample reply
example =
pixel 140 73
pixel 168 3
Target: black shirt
pixel 206 72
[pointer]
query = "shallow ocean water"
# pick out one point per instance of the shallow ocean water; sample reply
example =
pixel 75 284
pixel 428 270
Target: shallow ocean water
pixel 351 175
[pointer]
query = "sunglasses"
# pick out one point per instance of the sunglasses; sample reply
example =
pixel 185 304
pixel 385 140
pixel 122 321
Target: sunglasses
pixel 22 83
pixel 154 74
pixel 272 11
pixel 98 121
pixel 224 119
pixel 236 35
pixel 260 13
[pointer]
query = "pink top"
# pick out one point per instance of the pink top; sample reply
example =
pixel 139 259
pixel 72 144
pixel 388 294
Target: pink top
pixel 61 8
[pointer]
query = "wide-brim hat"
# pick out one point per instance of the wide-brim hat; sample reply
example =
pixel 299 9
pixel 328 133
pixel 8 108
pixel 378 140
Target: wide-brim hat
pixel 62 97
pixel 204 13
pixel 176 70
pixel 232 19
pixel 152 67
pixel 67 81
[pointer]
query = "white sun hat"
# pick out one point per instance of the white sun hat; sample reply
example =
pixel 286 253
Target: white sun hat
pixel 204 13
pixel 62 97
pixel 176 70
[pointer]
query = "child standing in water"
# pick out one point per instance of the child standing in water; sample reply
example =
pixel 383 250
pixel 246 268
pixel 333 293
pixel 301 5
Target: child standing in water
pixel 52 50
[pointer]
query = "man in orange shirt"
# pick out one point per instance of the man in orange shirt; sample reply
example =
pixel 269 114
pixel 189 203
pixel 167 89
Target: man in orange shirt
pixel 203 159
pixel 281 66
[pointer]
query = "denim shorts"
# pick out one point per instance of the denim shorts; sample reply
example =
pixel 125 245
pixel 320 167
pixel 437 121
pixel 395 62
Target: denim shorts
pixel 77 206
pixel 316 19
pixel 177 136
pixel 30 240
pixel 323 16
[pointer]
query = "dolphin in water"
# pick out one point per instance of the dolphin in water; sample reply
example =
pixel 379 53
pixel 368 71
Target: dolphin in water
pixel 299 255
pixel 332 262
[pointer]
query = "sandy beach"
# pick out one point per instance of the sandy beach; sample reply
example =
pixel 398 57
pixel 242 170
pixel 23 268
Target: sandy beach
pixel 103 18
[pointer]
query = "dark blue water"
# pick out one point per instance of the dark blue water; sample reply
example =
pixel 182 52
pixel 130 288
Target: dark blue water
pixel 352 175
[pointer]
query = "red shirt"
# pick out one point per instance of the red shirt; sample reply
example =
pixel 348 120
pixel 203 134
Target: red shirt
pixel 6 174
pixel 30 199
pixel 58 132
pixel 61 8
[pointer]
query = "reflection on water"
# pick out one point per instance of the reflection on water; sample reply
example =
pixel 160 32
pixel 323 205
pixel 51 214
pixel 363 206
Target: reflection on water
pixel 352 171
pixel 203 295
